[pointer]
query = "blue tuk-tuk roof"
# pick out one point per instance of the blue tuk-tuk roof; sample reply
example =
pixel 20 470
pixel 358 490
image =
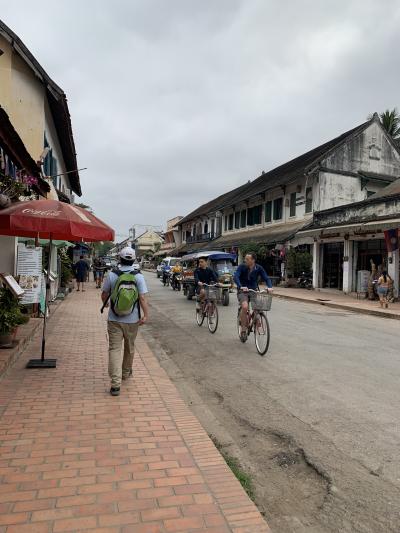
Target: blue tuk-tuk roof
pixel 213 256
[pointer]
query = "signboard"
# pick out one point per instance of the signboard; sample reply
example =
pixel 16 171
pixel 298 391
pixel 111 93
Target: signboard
pixel 11 283
pixel 29 270
pixel 362 280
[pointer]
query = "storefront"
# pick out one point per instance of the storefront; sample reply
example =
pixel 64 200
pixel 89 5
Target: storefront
pixel 332 263
pixel 349 242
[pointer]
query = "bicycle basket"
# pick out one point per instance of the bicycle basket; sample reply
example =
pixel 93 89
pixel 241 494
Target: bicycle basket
pixel 212 293
pixel 261 301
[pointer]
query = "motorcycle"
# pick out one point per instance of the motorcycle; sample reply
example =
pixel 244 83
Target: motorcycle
pixel 166 277
pixel 176 281
pixel 305 281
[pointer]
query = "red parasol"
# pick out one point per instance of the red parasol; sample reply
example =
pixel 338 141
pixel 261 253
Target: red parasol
pixel 50 219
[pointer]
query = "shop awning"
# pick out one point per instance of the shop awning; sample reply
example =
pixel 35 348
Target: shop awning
pixel 360 227
pixel 270 235
pixel 43 242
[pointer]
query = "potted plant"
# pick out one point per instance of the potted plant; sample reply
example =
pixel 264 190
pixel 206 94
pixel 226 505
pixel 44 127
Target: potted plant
pixel 11 317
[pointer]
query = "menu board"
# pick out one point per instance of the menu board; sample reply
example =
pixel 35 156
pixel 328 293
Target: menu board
pixel 29 270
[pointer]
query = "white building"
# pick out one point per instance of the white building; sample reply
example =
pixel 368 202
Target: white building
pixel 272 209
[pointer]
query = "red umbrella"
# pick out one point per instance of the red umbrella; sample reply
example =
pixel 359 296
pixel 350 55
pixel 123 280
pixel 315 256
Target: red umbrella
pixel 50 219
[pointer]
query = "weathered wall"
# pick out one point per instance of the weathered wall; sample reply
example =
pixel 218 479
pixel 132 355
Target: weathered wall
pixel 364 213
pixel 52 138
pixel 7 254
pixel 370 151
pixel 26 106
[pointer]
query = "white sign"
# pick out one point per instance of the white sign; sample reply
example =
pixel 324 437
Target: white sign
pixel 29 270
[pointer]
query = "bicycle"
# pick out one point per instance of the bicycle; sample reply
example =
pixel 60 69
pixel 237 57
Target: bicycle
pixel 257 320
pixel 208 308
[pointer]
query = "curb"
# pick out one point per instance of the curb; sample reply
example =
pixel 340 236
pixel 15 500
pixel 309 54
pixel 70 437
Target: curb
pixel 372 312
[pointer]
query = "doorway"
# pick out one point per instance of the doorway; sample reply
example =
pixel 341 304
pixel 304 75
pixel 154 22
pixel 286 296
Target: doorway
pixel 333 265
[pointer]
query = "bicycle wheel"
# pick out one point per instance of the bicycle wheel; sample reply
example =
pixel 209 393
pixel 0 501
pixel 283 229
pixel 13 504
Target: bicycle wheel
pixel 212 317
pixel 199 316
pixel 261 333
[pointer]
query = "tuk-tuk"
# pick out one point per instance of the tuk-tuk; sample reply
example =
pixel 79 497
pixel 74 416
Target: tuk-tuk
pixel 221 262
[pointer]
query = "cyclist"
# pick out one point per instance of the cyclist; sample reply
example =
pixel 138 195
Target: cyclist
pixel 246 277
pixel 203 274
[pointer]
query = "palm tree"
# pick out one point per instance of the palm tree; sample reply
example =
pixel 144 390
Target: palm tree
pixel 391 122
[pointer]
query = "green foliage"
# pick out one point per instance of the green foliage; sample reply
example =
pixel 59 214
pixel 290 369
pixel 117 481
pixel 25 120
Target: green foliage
pixel 298 262
pixel 11 315
pixel 390 120
pixel 233 463
pixel 66 267
pixel 260 249
pixel 101 249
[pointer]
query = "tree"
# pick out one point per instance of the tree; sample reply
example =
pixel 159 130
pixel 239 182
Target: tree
pixel 390 120
pixel 85 206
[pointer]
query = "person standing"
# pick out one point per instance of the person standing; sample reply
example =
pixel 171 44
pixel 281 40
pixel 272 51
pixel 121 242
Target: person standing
pixel 126 290
pixel 384 283
pixel 81 269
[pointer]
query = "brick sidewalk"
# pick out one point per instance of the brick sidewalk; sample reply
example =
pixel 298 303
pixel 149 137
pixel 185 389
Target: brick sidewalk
pixel 73 458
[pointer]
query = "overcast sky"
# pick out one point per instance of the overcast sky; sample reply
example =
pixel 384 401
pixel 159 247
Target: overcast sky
pixel 176 101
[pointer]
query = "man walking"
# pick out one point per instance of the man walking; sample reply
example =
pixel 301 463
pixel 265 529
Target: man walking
pixel 126 290
pixel 81 269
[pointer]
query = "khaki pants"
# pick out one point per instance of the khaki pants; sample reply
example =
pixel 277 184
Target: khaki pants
pixel 120 365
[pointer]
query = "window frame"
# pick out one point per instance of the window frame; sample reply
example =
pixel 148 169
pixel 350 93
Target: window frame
pixel 308 207
pixel 274 209
pixel 243 218
pixel 231 220
pixel 292 204
pixel 269 204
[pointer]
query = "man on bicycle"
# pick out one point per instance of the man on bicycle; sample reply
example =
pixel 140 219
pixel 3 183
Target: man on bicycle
pixel 203 275
pixel 246 277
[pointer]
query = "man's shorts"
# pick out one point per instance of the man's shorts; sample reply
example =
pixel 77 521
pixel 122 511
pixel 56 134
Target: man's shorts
pixel 243 297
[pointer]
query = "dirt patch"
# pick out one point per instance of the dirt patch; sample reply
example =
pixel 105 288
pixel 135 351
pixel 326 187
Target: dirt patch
pixel 286 487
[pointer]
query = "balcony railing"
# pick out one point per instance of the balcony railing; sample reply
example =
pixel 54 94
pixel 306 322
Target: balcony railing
pixel 202 237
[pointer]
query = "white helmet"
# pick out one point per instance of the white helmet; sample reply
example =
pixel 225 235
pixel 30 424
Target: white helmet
pixel 127 253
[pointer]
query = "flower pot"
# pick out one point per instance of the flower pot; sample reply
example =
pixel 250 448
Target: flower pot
pixel 4 201
pixel 6 340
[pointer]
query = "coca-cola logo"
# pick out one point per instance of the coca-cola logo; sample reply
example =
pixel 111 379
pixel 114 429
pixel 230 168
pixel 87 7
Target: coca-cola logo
pixel 48 213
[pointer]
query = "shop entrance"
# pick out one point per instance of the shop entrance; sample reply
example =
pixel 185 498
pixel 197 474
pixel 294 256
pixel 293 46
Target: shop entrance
pixel 333 265
pixel 374 250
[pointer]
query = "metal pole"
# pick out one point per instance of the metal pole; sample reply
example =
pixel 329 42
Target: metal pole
pixel 46 300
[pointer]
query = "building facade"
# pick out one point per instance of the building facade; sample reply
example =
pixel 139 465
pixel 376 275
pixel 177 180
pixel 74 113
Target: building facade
pixel 272 209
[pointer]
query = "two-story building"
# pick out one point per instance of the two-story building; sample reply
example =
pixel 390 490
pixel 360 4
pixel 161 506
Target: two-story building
pixel 38 110
pixel 272 209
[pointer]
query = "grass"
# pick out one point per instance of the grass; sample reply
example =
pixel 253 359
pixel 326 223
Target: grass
pixel 233 463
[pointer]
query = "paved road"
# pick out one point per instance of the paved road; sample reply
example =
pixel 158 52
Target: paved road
pixel 316 421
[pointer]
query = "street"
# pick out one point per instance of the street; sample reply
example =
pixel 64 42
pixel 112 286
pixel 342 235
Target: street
pixel 315 422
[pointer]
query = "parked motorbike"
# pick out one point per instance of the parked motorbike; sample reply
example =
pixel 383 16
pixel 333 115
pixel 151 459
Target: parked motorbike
pixel 305 281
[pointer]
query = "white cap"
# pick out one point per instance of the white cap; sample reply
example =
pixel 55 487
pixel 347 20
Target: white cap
pixel 127 253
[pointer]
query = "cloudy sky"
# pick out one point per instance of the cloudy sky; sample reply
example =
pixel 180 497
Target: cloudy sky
pixel 176 101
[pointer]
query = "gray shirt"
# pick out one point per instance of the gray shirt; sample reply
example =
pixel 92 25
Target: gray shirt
pixel 108 286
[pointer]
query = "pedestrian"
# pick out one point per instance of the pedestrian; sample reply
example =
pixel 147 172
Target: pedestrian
pixel 126 290
pixel 99 268
pixel 384 283
pixel 81 269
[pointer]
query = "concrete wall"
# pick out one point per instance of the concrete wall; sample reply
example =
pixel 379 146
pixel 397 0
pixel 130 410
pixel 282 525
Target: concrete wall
pixel 8 250
pixel 370 151
pixel 52 138
pixel 22 96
